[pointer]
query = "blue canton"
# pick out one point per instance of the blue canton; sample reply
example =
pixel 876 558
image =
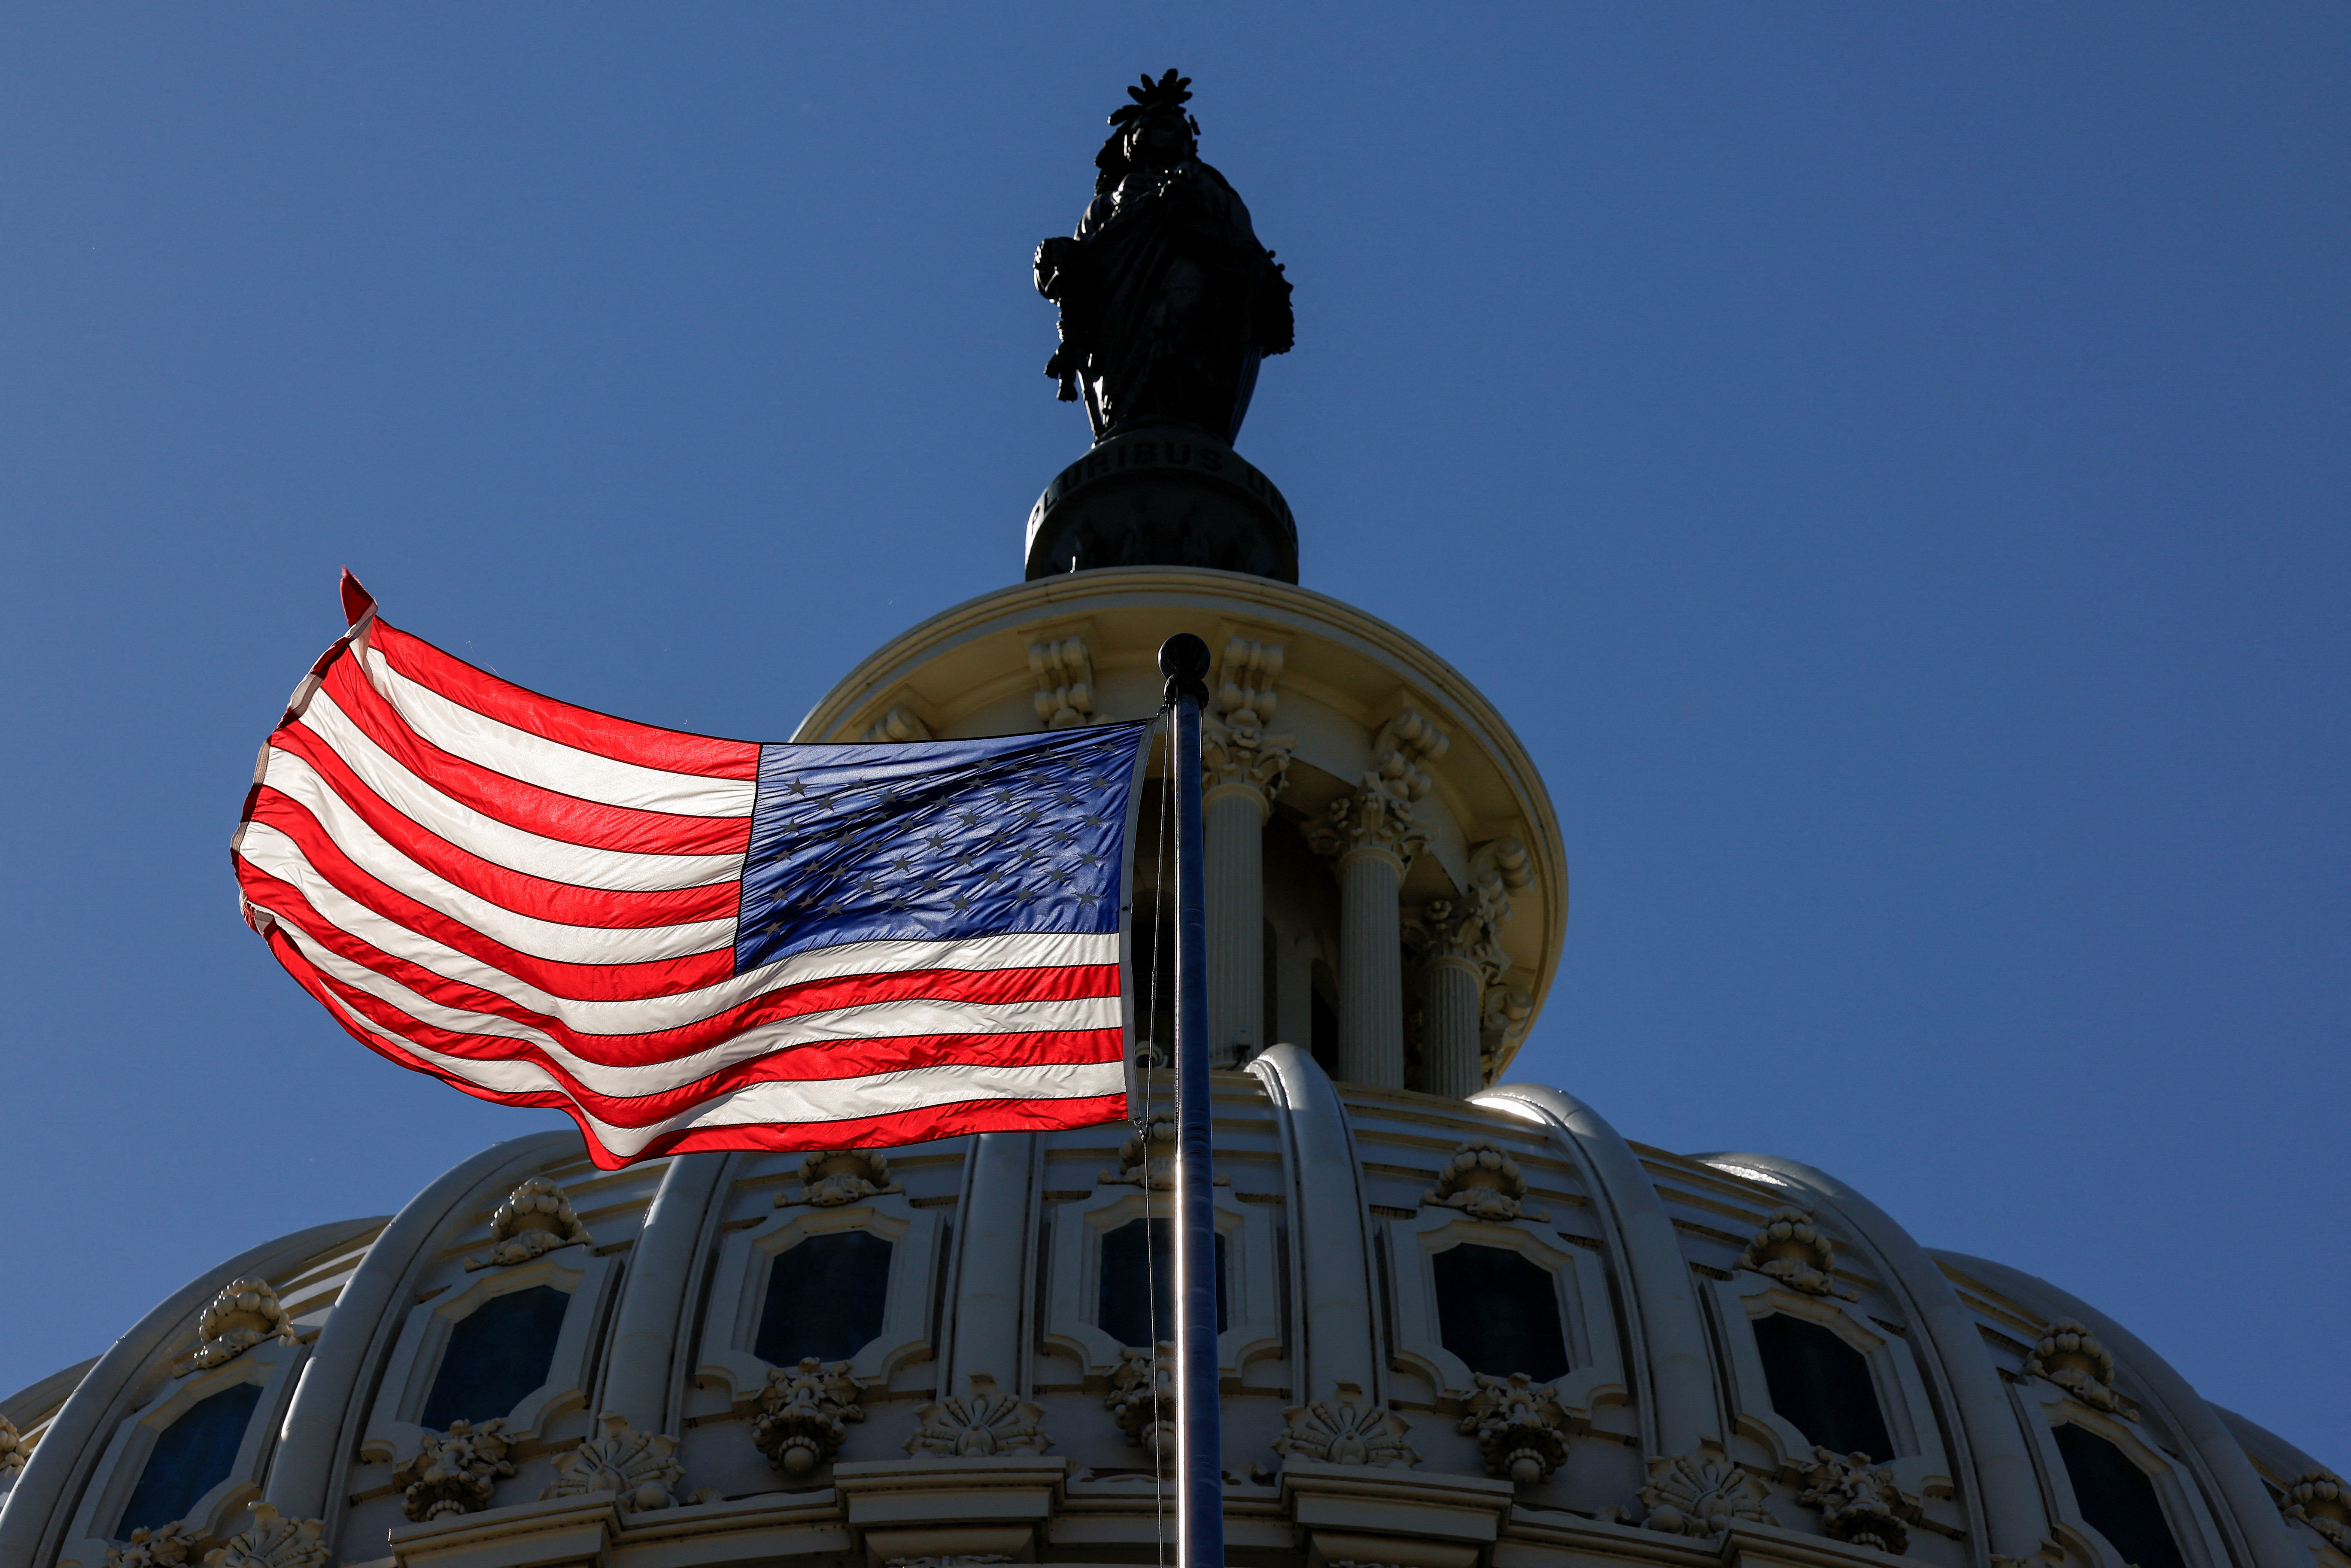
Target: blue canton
pixel 935 839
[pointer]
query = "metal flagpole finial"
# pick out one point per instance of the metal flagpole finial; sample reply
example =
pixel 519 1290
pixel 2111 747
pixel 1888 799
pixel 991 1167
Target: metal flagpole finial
pixel 1184 659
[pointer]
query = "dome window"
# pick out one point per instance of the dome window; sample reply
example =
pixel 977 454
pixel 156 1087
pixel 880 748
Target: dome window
pixel 2116 1499
pixel 1499 1312
pixel 498 1355
pixel 825 1298
pixel 1821 1385
pixel 191 1456
pixel 1137 1305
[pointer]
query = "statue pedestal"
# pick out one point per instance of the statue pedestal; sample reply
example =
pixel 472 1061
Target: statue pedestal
pixel 1162 496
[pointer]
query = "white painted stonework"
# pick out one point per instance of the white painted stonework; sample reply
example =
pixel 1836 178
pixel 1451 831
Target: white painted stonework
pixel 1389 899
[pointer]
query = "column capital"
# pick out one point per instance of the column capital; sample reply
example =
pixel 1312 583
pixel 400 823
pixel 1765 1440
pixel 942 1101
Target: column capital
pixel 1382 813
pixel 1469 929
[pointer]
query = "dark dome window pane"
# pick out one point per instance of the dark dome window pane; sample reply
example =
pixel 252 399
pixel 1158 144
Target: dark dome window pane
pixel 1136 1304
pixel 825 1298
pixel 1499 1313
pixel 191 1456
pixel 497 1354
pixel 2116 1499
pixel 1822 1385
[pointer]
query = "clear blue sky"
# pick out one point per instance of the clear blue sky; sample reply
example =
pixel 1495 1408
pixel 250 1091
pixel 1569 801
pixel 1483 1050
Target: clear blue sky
pixel 1888 462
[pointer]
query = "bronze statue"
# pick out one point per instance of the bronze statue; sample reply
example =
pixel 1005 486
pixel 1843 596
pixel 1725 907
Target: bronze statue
pixel 1167 299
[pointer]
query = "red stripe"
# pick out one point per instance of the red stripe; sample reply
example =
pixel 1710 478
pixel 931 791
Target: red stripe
pixel 526 806
pixel 922 1125
pixel 1048 983
pixel 814 1063
pixel 617 982
pixel 671 750
pixel 564 902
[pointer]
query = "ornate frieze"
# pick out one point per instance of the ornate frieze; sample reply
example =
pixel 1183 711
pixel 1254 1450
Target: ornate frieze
pixel 1381 813
pixel 454 1471
pixel 982 1422
pixel 805 1411
pixel 1789 1248
pixel 2321 1499
pixel 1700 1492
pixel 1521 1427
pixel 2069 1355
pixel 244 1314
pixel 1142 1399
pixel 1859 1502
pixel 832 1178
pixel 1064 671
pixel 270 1541
pixel 640 1469
pixel 1235 747
pixel 1347 1430
pixel 536 1218
pixel 1483 1182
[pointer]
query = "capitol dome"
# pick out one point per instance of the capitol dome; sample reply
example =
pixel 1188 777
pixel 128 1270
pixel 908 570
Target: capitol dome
pixel 1465 1323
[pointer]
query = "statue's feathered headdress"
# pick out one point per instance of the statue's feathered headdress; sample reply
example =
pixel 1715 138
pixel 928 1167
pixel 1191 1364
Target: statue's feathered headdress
pixel 1168 95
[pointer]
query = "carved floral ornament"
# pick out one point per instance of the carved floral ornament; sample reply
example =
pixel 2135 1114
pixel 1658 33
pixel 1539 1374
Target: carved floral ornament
pixel 1234 746
pixel 832 1178
pixel 1700 1493
pixel 1859 1502
pixel 244 1314
pixel 1347 1430
pixel 12 1448
pixel 455 1471
pixel 1521 1427
pixel 1789 1248
pixel 2321 1499
pixel 270 1541
pixel 1483 1182
pixel 640 1469
pixel 536 1218
pixel 1142 1399
pixel 164 1546
pixel 983 1423
pixel 805 1411
pixel 2070 1356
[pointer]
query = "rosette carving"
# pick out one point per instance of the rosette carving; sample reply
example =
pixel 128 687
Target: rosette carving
pixel 832 1178
pixel 270 1541
pixel 983 1423
pixel 2321 1499
pixel 640 1469
pixel 1859 1501
pixel 1347 1430
pixel 1699 1493
pixel 1483 1182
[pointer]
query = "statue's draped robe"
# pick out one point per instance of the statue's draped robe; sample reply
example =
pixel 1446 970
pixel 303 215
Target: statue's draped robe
pixel 1171 299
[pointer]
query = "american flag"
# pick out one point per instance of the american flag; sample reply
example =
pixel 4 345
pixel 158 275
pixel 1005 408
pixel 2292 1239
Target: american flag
pixel 687 942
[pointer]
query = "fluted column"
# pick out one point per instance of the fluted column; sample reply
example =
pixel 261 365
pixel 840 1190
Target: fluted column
pixel 1373 834
pixel 1242 770
pixel 1452 990
pixel 1371 967
pixel 1462 942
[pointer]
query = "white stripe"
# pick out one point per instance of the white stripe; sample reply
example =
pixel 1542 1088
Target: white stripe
pixel 870 1020
pixel 269 848
pixel 550 764
pixel 647 1015
pixel 831 1099
pixel 517 849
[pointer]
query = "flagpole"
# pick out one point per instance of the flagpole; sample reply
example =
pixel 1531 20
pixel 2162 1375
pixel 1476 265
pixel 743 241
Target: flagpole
pixel 1199 1446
